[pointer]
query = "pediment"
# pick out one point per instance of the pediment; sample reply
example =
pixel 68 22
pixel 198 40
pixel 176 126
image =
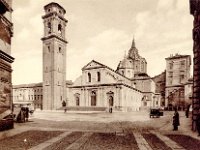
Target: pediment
pixel 92 65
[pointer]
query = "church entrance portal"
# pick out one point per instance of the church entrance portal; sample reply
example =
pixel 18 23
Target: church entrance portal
pixel 110 100
pixel 93 98
pixel 110 96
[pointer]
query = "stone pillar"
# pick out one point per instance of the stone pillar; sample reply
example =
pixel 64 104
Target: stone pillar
pixel 195 11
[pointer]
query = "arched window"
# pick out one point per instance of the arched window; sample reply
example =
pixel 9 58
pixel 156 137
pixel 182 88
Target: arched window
pixel 89 77
pixel 59 49
pixel 98 76
pixel 59 28
pixel 49 49
pixel 49 28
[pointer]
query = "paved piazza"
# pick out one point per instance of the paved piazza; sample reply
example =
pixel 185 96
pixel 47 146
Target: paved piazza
pixel 92 116
pixel 99 130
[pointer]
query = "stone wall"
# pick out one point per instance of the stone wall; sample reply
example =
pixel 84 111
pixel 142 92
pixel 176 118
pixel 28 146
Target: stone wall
pixel 195 11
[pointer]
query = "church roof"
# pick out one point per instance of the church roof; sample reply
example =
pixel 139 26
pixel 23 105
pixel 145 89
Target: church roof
pixel 31 85
pixel 54 4
pixel 99 65
pixel 176 56
pixel 141 75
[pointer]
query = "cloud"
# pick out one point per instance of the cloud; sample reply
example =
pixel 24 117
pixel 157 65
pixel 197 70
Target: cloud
pixel 103 47
pixel 164 31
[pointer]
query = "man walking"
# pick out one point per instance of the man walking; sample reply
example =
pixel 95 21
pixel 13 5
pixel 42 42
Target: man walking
pixel 176 121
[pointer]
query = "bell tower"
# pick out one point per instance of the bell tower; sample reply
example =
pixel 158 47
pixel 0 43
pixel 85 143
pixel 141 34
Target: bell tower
pixel 54 56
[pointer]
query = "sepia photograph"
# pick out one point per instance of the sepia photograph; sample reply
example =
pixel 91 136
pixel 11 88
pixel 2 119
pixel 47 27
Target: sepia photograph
pixel 99 74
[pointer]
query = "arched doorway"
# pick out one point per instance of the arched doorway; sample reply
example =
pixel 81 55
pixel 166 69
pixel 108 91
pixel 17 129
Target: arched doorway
pixel 110 97
pixel 144 100
pixel 110 100
pixel 77 99
pixel 93 98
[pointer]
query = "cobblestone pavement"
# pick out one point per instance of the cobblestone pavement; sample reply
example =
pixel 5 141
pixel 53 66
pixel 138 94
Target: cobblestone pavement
pixel 68 140
pixel 102 132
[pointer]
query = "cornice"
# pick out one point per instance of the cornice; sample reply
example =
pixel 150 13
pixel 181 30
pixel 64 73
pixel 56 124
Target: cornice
pixel 6 57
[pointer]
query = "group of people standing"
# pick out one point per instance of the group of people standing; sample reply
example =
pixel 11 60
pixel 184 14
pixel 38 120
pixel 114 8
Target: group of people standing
pixel 23 115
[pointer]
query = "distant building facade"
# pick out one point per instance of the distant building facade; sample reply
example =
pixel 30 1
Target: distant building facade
pixel 28 94
pixel 160 81
pixel 177 76
pixel 6 32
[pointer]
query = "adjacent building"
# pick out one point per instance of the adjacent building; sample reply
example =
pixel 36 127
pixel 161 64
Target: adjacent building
pixel 177 75
pixel 6 32
pixel 195 11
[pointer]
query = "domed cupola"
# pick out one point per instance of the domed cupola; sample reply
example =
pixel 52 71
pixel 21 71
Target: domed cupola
pixel 126 63
pixel 126 68
pixel 132 64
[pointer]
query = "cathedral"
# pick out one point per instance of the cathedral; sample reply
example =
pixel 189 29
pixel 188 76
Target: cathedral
pixel 128 88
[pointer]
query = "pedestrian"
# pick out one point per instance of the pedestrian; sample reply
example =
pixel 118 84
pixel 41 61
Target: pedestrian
pixel 110 109
pixel 65 109
pixel 22 115
pixel 198 123
pixel 176 121
pixel 27 113
pixel 187 111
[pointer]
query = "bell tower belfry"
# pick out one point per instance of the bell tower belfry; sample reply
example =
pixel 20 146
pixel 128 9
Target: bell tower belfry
pixel 54 56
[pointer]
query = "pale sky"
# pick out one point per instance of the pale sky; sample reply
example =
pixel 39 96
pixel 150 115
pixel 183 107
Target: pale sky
pixel 102 30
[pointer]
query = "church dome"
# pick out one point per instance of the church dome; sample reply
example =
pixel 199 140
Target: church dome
pixel 126 63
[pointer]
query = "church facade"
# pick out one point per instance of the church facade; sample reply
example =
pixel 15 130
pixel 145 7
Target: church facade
pixel 101 86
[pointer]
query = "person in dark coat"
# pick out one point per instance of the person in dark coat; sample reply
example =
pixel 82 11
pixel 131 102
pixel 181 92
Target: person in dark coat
pixel 176 121
pixel 26 113
pixel 198 123
pixel 187 111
